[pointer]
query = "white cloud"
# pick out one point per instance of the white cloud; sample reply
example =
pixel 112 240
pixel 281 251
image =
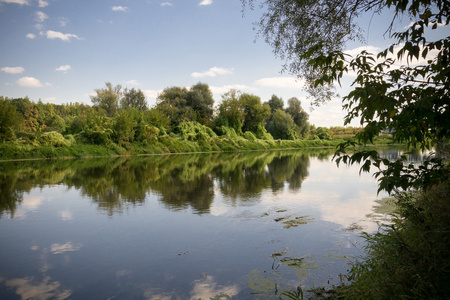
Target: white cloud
pixel 66 215
pixel 13 70
pixel 132 82
pixel 64 68
pixel 119 8
pixel 43 3
pixel 151 93
pixel 21 2
pixel 51 99
pixel 205 2
pixel 166 4
pixel 212 72
pixel 31 36
pixel 59 35
pixel 41 16
pixel 31 82
pixel 226 88
pixel 354 52
pixel 281 82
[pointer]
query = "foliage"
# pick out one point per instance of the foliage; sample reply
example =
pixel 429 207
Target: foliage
pixel 410 257
pixel 281 126
pixel 299 116
pixel 108 98
pixel 133 98
pixel 255 113
pixel 231 112
pixel 9 119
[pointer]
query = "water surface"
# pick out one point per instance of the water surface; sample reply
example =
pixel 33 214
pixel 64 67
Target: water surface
pixel 241 225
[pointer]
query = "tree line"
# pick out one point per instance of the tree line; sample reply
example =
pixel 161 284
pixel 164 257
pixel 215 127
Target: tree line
pixel 122 116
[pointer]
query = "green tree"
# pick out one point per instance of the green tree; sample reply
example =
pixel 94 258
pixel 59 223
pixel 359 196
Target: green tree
pixel 200 99
pixel 299 116
pixel 275 104
pixel 133 98
pixel 9 119
pixel 409 99
pixel 255 112
pixel 231 112
pixel 173 103
pixel 281 126
pixel 108 98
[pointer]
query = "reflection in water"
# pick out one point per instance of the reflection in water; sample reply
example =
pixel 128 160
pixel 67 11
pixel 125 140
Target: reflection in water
pixel 30 288
pixel 181 181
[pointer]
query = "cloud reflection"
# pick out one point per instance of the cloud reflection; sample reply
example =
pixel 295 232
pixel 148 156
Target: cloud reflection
pixel 67 247
pixel 207 288
pixel 29 288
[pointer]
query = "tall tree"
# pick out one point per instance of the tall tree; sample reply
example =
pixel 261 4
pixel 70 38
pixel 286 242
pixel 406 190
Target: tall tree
pixel 299 116
pixel 200 99
pixel 173 103
pixel 108 98
pixel 133 98
pixel 9 119
pixel 256 113
pixel 231 112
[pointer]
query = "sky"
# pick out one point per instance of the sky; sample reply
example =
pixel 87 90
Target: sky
pixel 60 51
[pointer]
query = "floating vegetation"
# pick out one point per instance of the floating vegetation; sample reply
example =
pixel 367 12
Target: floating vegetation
pixel 297 221
pixel 354 227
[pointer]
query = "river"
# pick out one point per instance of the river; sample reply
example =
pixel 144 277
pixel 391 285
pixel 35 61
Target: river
pixel 246 225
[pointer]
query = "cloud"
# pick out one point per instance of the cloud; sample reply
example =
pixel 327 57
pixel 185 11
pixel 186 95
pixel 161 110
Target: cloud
pixel 132 82
pixel 212 72
pixel 21 2
pixel 119 8
pixel 13 70
pixel 30 288
pixel 59 35
pixel 226 88
pixel 64 68
pixel 151 93
pixel 41 16
pixel 51 99
pixel 66 215
pixel 31 82
pixel 166 4
pixel 205 2
pixel 43 3
pixel 31 36
pixel 281 82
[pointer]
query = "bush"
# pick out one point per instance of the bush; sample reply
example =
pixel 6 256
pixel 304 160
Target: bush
pixel 409 259
pixel 55 139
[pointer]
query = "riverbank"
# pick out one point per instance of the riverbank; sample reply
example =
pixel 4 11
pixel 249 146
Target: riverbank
pixel 68 147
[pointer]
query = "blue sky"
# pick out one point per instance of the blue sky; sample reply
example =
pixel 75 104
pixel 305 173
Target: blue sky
pixel 60 51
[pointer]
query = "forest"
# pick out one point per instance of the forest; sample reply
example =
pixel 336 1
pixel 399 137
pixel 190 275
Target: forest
pixel 119 121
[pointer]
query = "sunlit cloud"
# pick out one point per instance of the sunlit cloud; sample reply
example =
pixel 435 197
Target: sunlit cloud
pixel 132 82
pixel 119 8
pixel 31 82
pixel 64 68
pixel 205 2
pixel 166 4
pixel 28 204
pixel 51 99
pixel 41 16
pixel 67 247
pixel 43 3
pixel 281 82
pixel 29 288
pixel 39 26
pixel 13 70
pixel 31 36
pixel 151 93
pixel 21 2
pixel 212 72
pixel 59 35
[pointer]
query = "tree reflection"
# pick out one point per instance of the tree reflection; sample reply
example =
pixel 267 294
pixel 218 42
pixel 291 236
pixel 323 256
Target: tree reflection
pixel 180 181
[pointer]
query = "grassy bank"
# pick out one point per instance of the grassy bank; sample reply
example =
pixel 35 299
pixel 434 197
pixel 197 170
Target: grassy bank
pixel 70 147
